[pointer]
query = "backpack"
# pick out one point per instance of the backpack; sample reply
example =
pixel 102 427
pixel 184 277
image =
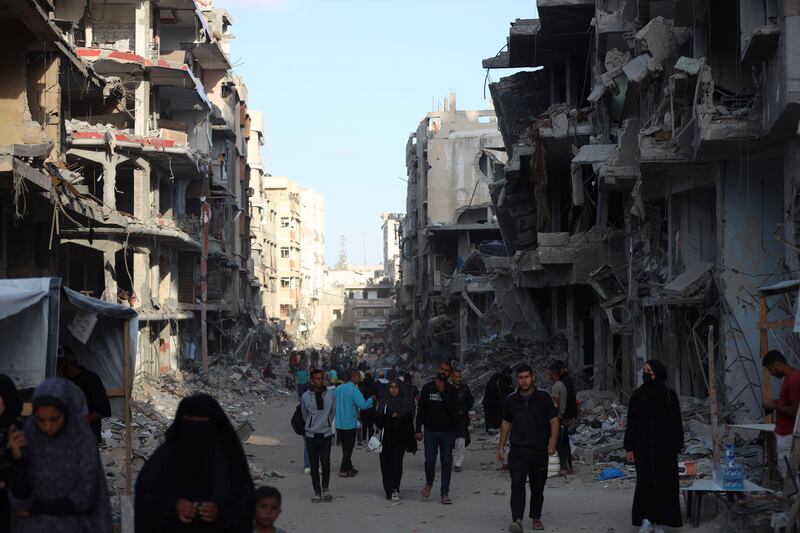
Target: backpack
pixel 298 423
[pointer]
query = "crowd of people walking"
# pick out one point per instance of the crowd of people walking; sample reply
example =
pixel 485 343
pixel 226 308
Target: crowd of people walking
pixel 198 480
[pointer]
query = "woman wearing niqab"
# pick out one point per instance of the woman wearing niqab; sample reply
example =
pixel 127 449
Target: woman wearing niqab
pixel 65 487
pixel 198 481
pixel 653 439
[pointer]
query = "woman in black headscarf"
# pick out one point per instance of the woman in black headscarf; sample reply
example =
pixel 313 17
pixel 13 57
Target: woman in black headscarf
pixel 65 487
pixel 199 479
pixel 653 439
pixel 12 440
pixel 392 416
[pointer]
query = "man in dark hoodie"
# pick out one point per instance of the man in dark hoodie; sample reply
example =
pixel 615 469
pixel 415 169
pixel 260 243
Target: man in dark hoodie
pixel 437 414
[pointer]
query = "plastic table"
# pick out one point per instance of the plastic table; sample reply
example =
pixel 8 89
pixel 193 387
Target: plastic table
pixel 694 493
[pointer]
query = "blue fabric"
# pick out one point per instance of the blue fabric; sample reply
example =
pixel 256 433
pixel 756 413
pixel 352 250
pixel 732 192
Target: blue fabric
pixel 349 401
pixel 302 377
pixel 439 443
pixel 610 473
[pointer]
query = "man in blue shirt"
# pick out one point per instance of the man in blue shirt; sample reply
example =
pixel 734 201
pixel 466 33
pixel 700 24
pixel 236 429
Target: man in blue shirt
pixel 349 401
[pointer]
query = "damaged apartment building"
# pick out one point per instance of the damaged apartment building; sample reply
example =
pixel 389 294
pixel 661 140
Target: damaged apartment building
pixel 449 226
pixel 648 183
pixel 123 147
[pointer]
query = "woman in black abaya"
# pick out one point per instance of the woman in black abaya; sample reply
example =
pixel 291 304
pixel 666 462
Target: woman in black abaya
pixel 653 439
pixel 198 481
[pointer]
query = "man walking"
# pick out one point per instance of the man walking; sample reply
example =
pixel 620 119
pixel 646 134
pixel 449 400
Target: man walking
pixel 785 407
pixel 318 406
pixel 464 403
pixel 531 417
pixel 437 414
pixel 564 396
pixel 349 401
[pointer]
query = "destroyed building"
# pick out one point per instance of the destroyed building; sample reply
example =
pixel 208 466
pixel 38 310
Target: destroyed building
pixel 444 291
pixel 647 186
pixel 124 135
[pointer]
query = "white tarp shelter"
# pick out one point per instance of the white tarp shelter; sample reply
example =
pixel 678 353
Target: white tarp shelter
pixel 35 317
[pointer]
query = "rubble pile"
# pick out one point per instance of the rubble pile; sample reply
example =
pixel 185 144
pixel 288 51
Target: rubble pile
pixel 600 428
pixel 768 512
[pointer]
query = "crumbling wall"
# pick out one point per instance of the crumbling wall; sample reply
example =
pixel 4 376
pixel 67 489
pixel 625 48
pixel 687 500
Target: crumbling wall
pixel 16 123
pixel 752 203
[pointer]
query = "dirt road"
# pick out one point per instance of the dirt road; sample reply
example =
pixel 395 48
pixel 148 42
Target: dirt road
pixel 480 493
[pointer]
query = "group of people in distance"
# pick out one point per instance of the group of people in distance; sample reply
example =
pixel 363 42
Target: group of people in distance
pixel 392 403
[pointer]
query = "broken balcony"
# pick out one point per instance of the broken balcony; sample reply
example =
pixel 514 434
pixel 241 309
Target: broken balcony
pixel 561 259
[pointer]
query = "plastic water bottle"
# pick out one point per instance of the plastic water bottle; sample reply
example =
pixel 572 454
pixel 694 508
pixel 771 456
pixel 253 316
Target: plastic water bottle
pixel 732 472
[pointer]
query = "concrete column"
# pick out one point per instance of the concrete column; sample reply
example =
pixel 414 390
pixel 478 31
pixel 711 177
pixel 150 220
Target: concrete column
pixel 463 319
pixel 110 182
pixel 141 277
pixel 600 361
pixel 110 276
pixel 143 33
pixel 572 350
pixel 141 191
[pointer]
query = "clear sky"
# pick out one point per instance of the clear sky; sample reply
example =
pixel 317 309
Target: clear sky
pixel 342 83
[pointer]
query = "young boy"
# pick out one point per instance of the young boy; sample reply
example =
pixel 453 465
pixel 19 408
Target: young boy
pixel 268 508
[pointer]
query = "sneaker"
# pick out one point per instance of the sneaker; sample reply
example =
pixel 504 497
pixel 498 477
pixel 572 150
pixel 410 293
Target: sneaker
pixel 537 525
pixel 396 496
pixel 647 527
pixel 353 472
pixel 516 527
pixel 456 469
pixel 307 471
pixel 317 498
pixel 326 495
pixel 658 529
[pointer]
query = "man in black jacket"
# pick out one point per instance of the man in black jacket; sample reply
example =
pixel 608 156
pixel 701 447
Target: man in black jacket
pixel 437 413
pixel 531 417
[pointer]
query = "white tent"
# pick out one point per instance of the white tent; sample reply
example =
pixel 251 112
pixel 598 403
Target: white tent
pixel 36 315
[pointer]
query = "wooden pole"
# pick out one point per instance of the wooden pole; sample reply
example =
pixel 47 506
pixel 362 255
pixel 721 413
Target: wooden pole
pixel 126 350
pixel 764 348
pixel 712 395
pixel 763 335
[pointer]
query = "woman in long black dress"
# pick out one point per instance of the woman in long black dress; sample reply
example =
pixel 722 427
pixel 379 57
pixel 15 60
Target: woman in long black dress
pixel 198 481
pixel 653 438
pixel 392 415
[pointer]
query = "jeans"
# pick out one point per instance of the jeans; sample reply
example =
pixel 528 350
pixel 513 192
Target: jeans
pixel 458 452
pixel 319 451
pixel 306 458
pixel 564 448
pixel 392 466
pixel 441 443
pixel 524 465
pixel 348 440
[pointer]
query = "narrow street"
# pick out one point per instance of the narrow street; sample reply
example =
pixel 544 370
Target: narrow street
pixel 480 493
